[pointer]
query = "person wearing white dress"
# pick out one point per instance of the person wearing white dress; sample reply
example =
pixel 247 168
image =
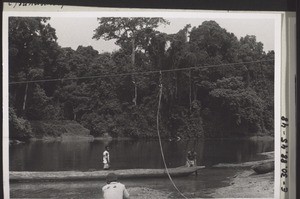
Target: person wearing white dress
pixel 106 160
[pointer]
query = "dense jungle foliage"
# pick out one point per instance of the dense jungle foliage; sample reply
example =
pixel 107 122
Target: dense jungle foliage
pixel 214 98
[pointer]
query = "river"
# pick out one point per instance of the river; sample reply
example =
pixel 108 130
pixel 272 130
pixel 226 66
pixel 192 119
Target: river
pixel 128 154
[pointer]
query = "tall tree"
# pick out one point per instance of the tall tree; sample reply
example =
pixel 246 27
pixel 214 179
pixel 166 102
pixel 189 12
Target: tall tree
pixel 32 54
pixel 129 33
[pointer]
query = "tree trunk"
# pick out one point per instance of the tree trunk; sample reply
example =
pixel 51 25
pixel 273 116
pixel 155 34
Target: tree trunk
pixel 133 67
pixel 262 73
pixel 247 78
pixel 25 98
pixel 262 123
pixel 176 86
pixel 175 78
pixel 195 92
pixel 190 95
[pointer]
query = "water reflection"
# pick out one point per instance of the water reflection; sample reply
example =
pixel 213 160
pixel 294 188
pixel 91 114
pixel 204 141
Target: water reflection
pixel 125 154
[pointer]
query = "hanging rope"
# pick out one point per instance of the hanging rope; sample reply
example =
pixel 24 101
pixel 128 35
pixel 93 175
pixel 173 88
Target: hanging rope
pixel 159 138
pixel 136 73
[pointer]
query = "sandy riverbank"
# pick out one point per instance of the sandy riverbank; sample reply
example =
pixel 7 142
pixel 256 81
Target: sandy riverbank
pixel 146 193
pixel 245 184
pixel 248 184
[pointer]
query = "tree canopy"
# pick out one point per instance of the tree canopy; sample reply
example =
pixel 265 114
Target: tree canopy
pixel 216 86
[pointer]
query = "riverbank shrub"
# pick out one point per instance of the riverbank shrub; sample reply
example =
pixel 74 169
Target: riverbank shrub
pixel 19 128
pixel 58 128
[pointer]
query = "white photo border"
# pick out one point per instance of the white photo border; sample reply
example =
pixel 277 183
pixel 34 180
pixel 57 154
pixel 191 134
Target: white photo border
pixel 66 11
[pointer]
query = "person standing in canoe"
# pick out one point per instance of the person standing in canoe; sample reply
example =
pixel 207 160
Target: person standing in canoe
pixel 191 159
pixel 106 160
pixel 114 189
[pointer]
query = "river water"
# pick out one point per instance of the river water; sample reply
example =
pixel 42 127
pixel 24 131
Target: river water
pixel 128 154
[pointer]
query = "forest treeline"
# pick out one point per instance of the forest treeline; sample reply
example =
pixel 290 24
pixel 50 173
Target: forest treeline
pixel 214 84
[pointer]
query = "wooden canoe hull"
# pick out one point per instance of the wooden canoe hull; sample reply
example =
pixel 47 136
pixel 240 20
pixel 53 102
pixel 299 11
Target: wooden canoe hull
pixel 16 176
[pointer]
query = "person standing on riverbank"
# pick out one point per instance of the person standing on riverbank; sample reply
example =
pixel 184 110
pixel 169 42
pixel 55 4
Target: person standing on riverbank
pixel 106 160
pixel 114 189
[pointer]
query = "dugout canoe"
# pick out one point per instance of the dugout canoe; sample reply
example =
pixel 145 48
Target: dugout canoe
pixel 17 176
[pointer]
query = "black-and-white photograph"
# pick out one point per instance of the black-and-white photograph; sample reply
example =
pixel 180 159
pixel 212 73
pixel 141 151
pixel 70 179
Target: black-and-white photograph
pixel 141 106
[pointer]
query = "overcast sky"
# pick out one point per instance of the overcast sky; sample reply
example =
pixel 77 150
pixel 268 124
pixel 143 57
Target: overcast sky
pixel 72 32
